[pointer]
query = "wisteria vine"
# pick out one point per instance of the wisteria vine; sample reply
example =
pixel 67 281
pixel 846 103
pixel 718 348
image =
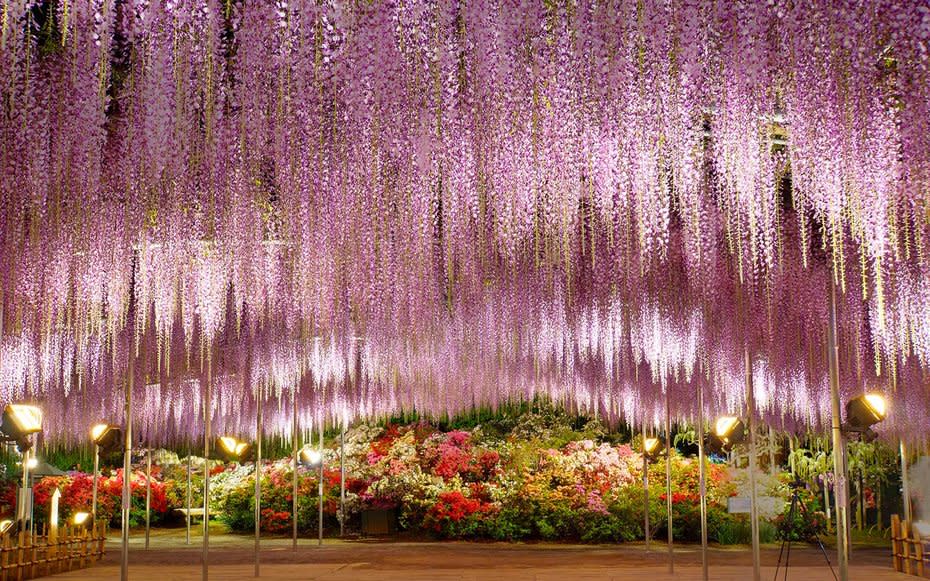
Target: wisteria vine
pixel 436 204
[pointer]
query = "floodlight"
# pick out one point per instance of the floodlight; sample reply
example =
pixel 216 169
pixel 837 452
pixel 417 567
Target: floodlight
pixel 5 525
pixel 107 437
pixel 80 518
pixel 19 422
pixel 32 462
pixel 651 447
pixel 309 457
pixel 729 430
pixel 98 431
pixel 865 411
pixel 231 448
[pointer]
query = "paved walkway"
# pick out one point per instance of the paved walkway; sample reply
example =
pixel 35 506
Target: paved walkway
pixel 231 558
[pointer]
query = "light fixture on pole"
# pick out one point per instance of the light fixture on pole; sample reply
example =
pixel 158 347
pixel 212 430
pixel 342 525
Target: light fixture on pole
pixel 729 431
pixel 107 439
pixel 651 447
pixel 231 449
pixel 309 457
pixel 862 413
pixel 18 423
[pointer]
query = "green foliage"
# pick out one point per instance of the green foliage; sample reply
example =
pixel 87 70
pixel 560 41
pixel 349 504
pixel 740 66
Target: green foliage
pixel 733 531
pixel 737 530
pixel 875 460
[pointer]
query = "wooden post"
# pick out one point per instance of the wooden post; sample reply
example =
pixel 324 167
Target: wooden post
pixel 4 557
pixel 30 558
pixel 918 550
pixel 896 551
pixel 20 548
pixel 102 539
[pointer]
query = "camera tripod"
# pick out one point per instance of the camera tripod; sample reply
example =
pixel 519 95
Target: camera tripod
pixel 797 507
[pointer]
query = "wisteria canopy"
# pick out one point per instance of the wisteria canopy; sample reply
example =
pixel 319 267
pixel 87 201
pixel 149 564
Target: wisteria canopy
pixel 440 204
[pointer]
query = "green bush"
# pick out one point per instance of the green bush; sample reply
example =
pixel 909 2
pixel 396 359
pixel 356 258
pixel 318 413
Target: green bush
pixel 238 511
pixel 737 530
pixel 733 532
pixel 509 525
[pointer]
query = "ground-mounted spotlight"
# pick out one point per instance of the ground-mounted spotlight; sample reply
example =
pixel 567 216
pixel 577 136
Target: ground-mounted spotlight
pixel 19 422
pixel 862 413
pixel 230 448
pixel 651 448
pixel 107 438
pixel 80 518
pixel 309 457
pixel 5 526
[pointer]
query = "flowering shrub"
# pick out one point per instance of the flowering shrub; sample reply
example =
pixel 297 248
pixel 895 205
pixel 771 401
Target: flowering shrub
pixel 548 483
pixel 457 515
pixel 77 495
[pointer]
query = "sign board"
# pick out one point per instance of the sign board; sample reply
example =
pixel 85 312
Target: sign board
pixel 766 505
pixel 739 505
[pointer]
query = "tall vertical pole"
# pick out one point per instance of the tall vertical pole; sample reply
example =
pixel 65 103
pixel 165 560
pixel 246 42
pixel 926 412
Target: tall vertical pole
pixel 668 480
pixel 319 526
pixel 258 475
pixel 207 413
pixel 342 480
pixel 753 504
pixel 148 495
pixel 771 450
pixel 127 458
pixel 296 464
pixel 93 502
pixel 841 490
pixel 24 492
pixel 188 516
pixel 702 482
pixel 905 485
pixel 645 486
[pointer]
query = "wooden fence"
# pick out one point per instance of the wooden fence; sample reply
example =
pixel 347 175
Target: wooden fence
pixel 27 556
pixel 909 552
